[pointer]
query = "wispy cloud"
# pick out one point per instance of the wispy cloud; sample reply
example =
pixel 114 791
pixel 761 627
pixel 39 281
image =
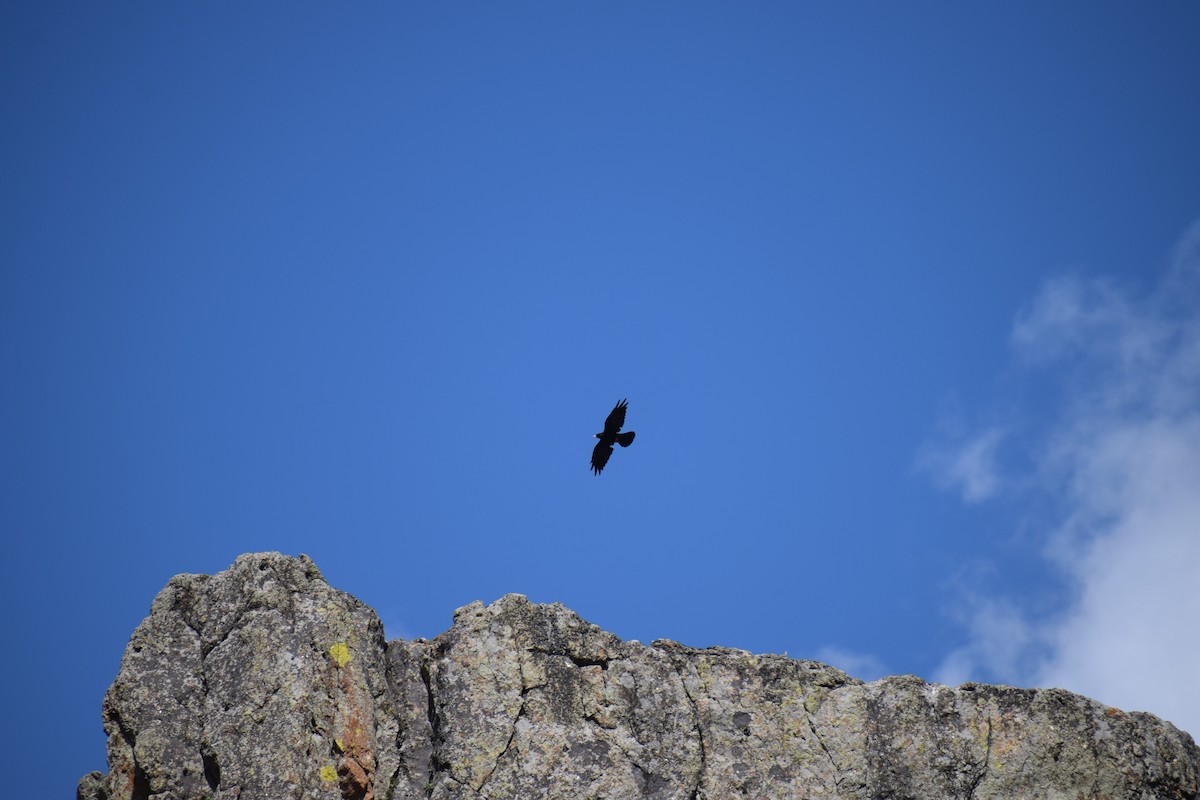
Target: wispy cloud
pixel 861 665
pixel 1000 644
pixel 1119 458
pixel 965 463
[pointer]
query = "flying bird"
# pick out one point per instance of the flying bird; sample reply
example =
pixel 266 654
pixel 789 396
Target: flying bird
pixel 612 425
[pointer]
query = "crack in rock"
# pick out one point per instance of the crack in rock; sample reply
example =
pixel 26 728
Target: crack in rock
pixel 511 736
pixel 987 760
pixel 436 765
pixel 837 771
pixel 250 715
pixel 695 793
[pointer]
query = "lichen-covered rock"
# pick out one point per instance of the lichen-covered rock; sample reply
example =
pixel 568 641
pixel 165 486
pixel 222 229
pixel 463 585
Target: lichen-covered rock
pixel 264 682
pixel 531 701
pixel 260 681
pixel 756 722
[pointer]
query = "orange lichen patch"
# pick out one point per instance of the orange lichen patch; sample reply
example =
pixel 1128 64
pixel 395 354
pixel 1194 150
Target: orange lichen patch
pixel 354 779
pixel 352 725
pixel 1113 712
pixel 1002 745
pixel 125 770
pixel 354 741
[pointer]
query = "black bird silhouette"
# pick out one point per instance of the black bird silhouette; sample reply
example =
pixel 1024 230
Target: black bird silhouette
pixel 604 447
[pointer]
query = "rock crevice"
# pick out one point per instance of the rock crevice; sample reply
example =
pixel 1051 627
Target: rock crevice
pixel 262 681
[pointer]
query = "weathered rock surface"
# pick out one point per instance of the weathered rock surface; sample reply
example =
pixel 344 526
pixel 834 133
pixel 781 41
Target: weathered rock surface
pixel 264 682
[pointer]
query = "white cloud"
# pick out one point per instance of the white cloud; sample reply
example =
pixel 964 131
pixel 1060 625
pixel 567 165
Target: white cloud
pixel 859 665
pixel 966 464
pixel 1119 457
pixel 1000 640
pixel 1133 547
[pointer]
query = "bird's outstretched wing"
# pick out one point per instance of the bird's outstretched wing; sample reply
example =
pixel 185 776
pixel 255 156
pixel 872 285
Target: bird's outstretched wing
pixel 616 418
pixel 600 456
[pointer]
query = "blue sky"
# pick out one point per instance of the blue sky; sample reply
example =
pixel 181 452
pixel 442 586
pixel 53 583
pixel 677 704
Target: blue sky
pixel 903 298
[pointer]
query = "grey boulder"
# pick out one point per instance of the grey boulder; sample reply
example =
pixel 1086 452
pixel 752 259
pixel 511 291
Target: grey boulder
pixel 264 682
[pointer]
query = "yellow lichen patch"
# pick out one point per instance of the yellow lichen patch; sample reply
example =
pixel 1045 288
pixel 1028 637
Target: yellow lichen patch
pixel 337 744
pixel 328 774
pixel 340 653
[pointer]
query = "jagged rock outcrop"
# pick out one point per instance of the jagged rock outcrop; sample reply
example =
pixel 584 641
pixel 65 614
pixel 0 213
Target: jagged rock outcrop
pixel 264 682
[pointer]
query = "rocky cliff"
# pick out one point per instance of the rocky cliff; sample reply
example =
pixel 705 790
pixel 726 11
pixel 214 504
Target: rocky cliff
pixel 264 682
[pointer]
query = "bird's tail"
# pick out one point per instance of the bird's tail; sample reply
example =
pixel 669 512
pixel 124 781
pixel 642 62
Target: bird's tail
pixel 625 439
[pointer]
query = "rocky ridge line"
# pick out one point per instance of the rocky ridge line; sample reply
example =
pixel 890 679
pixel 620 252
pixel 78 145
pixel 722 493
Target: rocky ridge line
pixel 262 681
